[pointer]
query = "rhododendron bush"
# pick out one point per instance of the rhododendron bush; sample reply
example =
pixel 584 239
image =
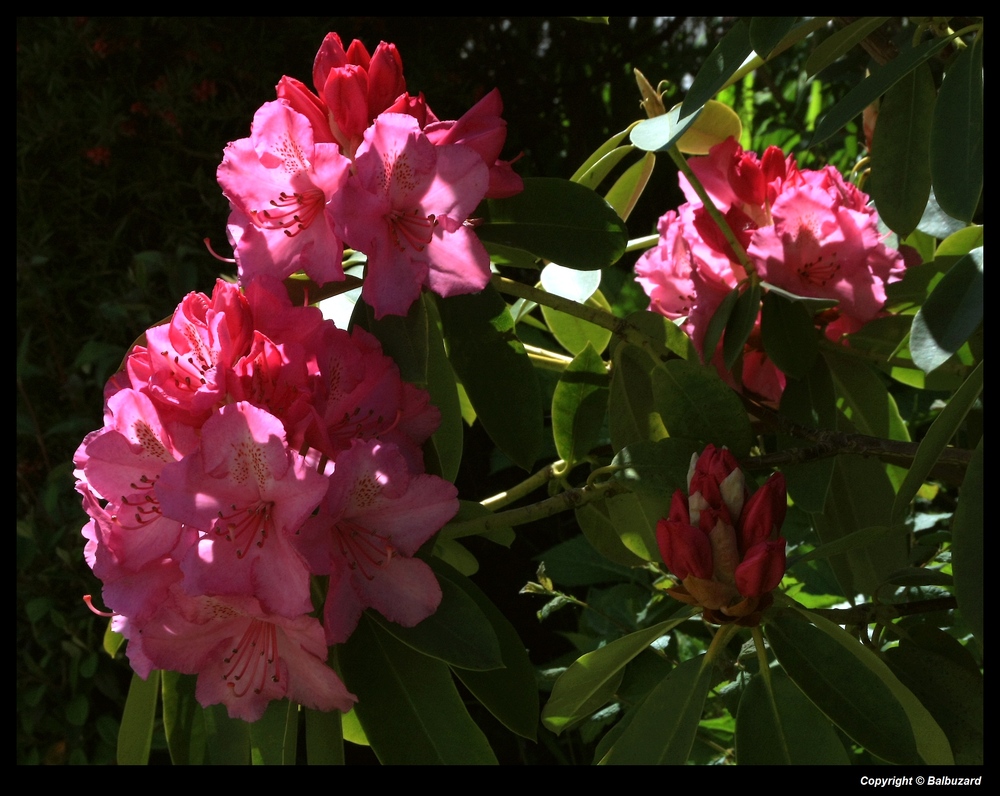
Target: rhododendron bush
pixel 741 465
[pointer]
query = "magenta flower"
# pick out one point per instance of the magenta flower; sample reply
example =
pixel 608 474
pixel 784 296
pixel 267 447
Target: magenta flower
pixel 248 493
pixel 244 656
pixel 374 518
pixel 405 207
pixel 722 543
pixel 279 181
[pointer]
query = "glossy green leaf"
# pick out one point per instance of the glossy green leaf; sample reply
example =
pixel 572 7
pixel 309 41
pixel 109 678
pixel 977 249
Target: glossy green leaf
pixel 853 541
pixel 457 633
pixel 856 690
pixel 443 451
pixel 871 88
pixel 634 518
pixel 937 437
pixel 720 320
pixel 860 496
pixel 274 736
pixel 112 641
pixel 967 553
pixel 559 221
pixel 598 155
pixel 662 132
pixel 961 242
pixel 509 693
pixel 663 729
pixel 694 402
pixel 657 468
pixel 957 135
pixel 712 125
pixel 870 407
pixel 600 169
pixel 404 339
pixel 767 32
pixel 575 334
pixel 666 334
pixel 408 705
pixel 324 738
pixel 788 334
pixel 632 414
pixel 227 741
pixel 629 187
pixel 951 313
pixel 778 725
pixel 838 43
pixel 569 283
pixel 900 180
pixel 135 736
pixel 183 719
pixel 579 404
pixel 491 362
pixel 353 731
pixel 728 56
pixel 741 323
pixel 946 679
pixel 590 681
pixel 594 520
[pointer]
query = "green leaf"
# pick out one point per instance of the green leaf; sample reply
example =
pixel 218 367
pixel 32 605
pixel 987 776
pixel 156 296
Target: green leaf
pixel 183 719
pixel 937 437
pixel 458 633
pixel 509 693
pixel 900 180
pixel 957 135
pixel 632 414
pixel 569 283
pixel 961 242
pixel 579 403
pixel 719 322
pixel 273 737
pixel 951 313
pixel 491 362
pixel 227 741
pixel 634 518
pixel 665 333
pixel 871 88
pixel 657 468
pixel 838 43
pixel 404 339
pixel 575 334
pixel 967 554
pixel 629 187
pixel 324 738
pixel 600 169
pixel 135 736
pixel 662 132
pixel 778 725
pixel 443 451
pixel 594 520
pixel 788 334
pixel 741 323
pixel 559 221
pixel 694 402
pixel 856 690
pixel 590 681
pixel 663 729
pixel 767 32
pixel 712 125
pixel 728 56
pixel 591 163
pixel 852 541
pixel 408 705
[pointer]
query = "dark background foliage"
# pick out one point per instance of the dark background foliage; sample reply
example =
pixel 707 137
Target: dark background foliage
pixel 121 124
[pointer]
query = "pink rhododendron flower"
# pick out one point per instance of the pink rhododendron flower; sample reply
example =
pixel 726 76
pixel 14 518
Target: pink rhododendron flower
pixel 807 232
pixel 375 516
pixel 722 543
pixel 244 656
pixel 405 207
pixel 279 181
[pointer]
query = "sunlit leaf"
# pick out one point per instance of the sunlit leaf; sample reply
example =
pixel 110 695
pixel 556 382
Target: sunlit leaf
pixel 135 736
pixel 957 135
pixel 839 42
pixel 662 132
pixel 594 520
pixel 728 56
pixel 714 124
pixel 629 187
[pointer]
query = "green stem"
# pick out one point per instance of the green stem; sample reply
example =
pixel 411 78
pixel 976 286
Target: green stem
pixel 565 501
pixel 620 327
pixel 765 669
pixel 719 641
pixel 639 244
pixel 526 487
pixel 713 211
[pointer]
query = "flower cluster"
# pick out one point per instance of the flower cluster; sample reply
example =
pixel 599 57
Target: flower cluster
pixel 807 232
pixel 363 162
pixel 246 447
pixel 723 543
